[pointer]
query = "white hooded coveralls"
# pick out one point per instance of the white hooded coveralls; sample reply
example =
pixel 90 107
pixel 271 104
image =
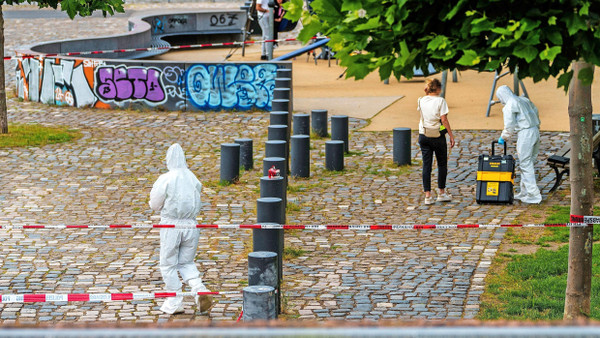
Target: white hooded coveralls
pixel 521 118
pixel 176 194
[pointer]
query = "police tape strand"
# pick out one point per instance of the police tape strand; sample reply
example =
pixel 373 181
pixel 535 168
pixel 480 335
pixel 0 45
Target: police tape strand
pixel 127 50
pixel 100 297
pixel 585 219
pixel 588 220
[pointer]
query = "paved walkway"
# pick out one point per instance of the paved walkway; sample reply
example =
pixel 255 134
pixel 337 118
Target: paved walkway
pixel 105 178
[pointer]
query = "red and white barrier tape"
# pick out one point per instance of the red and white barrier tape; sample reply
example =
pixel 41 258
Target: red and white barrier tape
pixel 306 227
pixel 96 52
pixel 100 297
pixel 585 219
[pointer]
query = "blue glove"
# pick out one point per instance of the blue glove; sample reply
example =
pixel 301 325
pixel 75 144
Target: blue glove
pixel 500 140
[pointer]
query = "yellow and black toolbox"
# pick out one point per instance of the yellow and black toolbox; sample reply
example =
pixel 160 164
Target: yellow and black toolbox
pixel 495 178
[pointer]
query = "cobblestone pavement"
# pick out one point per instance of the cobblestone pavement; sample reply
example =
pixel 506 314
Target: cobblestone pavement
pixel 105 178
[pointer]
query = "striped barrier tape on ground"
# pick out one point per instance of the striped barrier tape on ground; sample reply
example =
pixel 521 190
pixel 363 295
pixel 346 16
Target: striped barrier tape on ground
pixel 99 297
pixel 126 50
pixel 272 226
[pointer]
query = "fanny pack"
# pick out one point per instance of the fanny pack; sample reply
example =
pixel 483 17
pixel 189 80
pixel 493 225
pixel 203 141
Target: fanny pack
pixel 428 132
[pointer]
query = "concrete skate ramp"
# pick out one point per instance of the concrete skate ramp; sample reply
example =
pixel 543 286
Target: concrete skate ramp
pixel 124 79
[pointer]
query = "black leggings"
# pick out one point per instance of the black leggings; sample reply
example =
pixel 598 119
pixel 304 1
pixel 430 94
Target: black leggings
pixel 429 146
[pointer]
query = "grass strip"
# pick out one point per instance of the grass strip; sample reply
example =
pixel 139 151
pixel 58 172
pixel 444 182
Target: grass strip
pixel 532 286
pixel 36 135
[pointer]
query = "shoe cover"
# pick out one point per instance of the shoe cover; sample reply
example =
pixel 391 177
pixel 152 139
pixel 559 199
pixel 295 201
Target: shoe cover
pixel 172 305
pixel 204 302
pixel 531 199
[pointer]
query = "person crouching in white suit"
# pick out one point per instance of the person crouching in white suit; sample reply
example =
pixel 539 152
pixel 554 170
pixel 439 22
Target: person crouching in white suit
pixel 521 117
pixel 176 194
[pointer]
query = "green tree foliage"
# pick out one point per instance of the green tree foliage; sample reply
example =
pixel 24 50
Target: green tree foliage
pixel 76 7
pixel 541 38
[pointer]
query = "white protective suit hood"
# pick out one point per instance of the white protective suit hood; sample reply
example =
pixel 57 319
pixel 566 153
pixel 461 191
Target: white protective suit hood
pixel 519 113
pixel 176 157
pixel 176 194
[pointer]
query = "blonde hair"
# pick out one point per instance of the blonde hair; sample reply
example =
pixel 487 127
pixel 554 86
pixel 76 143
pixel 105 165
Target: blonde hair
pixel 432 86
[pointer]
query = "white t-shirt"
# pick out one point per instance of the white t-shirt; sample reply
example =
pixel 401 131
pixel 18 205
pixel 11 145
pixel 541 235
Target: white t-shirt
pixel 265 5
pixel 432 108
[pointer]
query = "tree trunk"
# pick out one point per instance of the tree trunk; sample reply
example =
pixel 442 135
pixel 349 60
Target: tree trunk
pixel 579 280
pixel 3 111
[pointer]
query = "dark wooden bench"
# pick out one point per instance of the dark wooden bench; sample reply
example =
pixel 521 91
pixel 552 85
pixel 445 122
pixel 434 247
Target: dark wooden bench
pixel 560 161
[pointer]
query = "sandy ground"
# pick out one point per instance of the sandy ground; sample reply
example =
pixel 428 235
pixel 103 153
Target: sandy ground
pixel 319 86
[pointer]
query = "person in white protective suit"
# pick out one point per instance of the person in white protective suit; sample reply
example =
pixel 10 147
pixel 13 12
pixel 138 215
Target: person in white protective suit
pixel 521 118
pixel 176 194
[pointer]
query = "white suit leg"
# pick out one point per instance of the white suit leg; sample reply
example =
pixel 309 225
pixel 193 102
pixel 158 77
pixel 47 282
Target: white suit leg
pixel 528 145
pixel 187 254
pixel 189 272
pixel 169 256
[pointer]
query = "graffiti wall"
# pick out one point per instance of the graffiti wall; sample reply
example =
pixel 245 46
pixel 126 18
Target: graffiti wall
pixel 241 87
pixel 56 81
pixel 106 84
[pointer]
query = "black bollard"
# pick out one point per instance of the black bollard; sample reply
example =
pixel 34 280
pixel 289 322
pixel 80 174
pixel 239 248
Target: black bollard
pixel 278 117
pixel 300 156
pixel 301 124
pixel 401 146
pixel 275 148
pixel 246 160
pixel 268 210
pixel 275 187
pixel 278 162
pixel 277 132
pixel 230 162
pixel 281 93
pixel 334 155
pixel 319 122
pixel 283 76
pixel 259 302
pixel 262 270
pixel 280 105
pixel 339 130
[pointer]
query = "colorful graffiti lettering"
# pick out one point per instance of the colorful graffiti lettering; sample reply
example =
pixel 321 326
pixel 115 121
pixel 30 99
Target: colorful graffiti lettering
pixel 91 82
pixel 124 83
pixel 173 77
pixel 56 81
pixel 230 86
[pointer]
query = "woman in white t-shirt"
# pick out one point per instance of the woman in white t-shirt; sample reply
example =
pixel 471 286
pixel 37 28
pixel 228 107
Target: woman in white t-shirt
pixel 432 138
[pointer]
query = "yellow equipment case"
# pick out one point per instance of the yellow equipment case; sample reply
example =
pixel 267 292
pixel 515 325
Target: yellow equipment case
pixel 495 178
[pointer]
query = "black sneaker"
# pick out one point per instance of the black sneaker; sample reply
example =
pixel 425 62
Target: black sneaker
pixel 264 57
